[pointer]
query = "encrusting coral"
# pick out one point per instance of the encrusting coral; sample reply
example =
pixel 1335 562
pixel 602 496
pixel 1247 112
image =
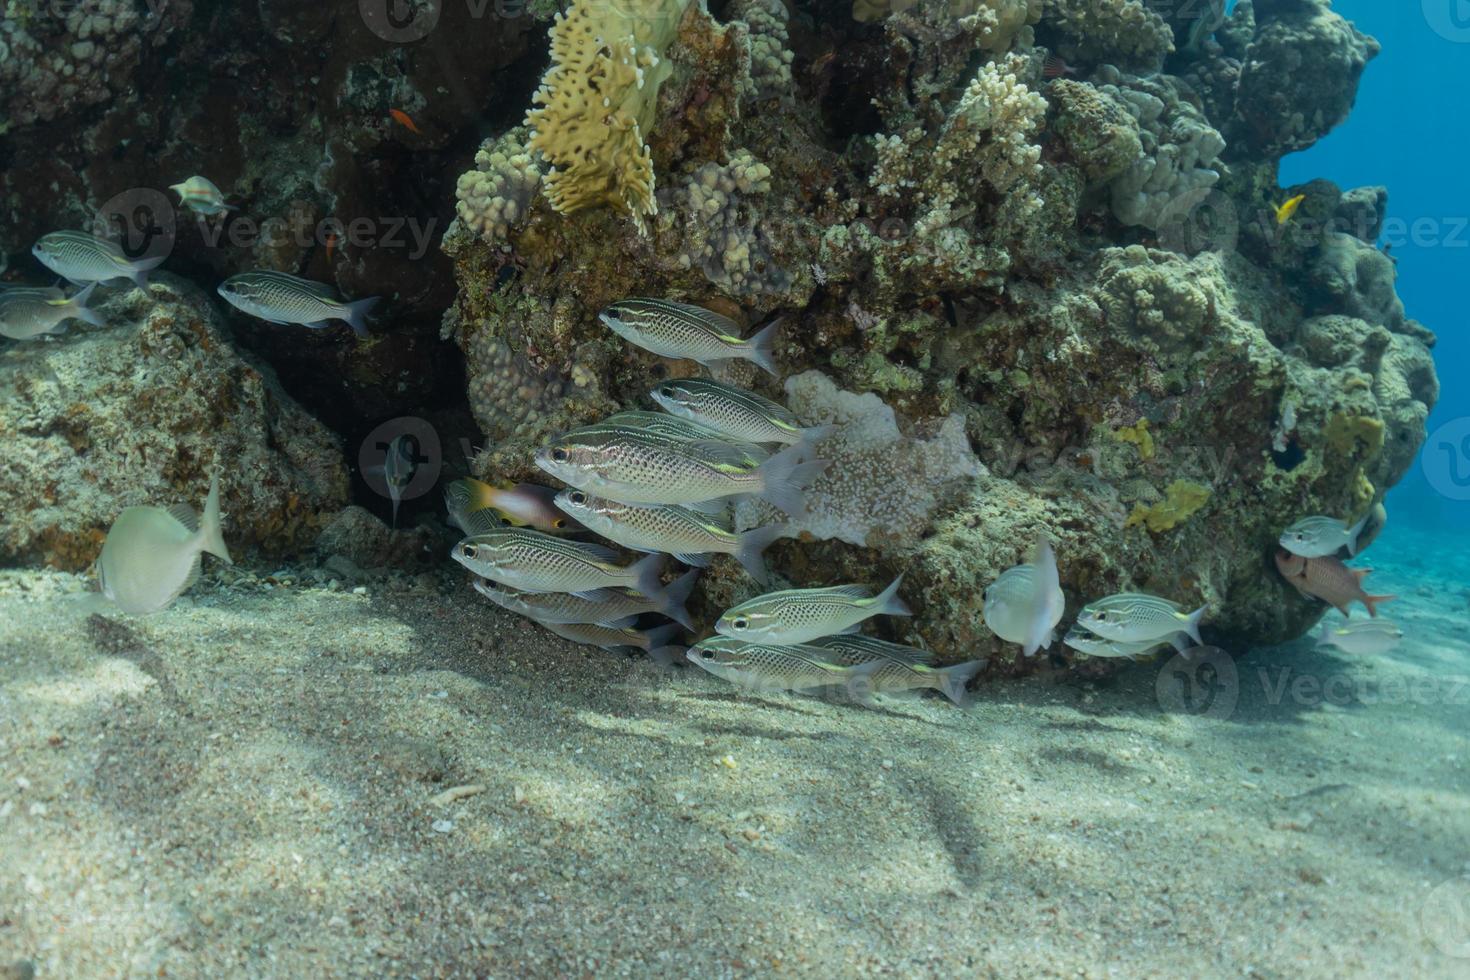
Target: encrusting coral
pixel 991 278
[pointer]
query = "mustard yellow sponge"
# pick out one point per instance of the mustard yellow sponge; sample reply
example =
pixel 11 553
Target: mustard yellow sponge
pixel 598 99
pixel 1358 436
pixel 1138 435
pixel 1180 501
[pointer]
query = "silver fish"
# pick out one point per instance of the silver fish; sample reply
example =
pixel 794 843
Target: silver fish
pixel 83 259
pixel 200 195
pixel 795 616
pixel 622 466
pixel 1026 602
pixel 857 648
pixel 532 561
pixel 682 331
pixel 1132 617
pixel 1322 537
pixel 26 312
pixel 1366 637
pixel 656 427
pixel 767 667
pixel 1097 646
pixel 734 412
pixel 398 469
pixel 152 555
pixel 610 607
pixel 654 642
pixel 280 298
pixel 900 668
pixel 679 531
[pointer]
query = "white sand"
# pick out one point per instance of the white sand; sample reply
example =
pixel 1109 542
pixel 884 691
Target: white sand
pixel 243 786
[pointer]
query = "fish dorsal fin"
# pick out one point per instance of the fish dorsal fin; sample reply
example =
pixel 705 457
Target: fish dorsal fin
pixel 186 516
pixel 483 521
pixel 722 453
pixel 855 591
pixel 598 551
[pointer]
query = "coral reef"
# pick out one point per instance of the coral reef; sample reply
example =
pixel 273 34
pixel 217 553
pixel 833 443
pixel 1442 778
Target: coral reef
pixel 142 412
pixel 1006 289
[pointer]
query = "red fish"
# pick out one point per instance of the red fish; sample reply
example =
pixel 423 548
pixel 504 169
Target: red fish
pixel 1329 580
pixel 1054 67
pixel 331 244
pixel 405 120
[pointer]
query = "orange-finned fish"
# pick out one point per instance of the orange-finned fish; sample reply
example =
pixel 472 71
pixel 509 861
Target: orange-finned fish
pixel 1329 580
pixel 405 120
pixel 1284 213
pixel 331 244
pixel 517 505
pixel 1055 67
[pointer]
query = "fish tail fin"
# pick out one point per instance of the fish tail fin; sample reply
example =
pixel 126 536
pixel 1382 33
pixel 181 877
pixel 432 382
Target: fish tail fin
pixel 785 479
pixel 357 312
pixel 762 347
pixel 951 681
pixel 82 312
pixel 814 434
pixel 141 268
pixel 646 573
pixel 211 535
pixel 1191 625
pixel 889 603
pixel 753 544
pixel 1372 601
pixel 676 595
pixel 1355 532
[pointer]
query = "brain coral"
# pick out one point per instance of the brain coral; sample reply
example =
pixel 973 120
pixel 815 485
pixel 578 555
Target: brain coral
pixel 597 100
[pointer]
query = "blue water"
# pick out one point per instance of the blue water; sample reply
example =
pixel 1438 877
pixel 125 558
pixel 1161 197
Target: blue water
pixel 1408 133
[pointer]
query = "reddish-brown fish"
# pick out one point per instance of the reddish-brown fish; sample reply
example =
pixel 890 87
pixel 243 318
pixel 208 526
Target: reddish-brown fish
pixel 1329 580
pixel 405 120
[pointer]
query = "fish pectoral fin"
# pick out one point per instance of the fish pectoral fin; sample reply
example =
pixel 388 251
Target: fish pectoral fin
pixel 693 560
pixel 316 324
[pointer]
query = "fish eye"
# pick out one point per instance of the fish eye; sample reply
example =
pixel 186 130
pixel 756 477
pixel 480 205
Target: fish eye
pixel 471 551
pixel 616 312
pixel 741 623
pixel 577 497
pixel 559 522
pixel 560 455
pixel 666 390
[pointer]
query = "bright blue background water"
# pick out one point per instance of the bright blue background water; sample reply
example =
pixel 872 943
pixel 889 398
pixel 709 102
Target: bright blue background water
pixel 1410 133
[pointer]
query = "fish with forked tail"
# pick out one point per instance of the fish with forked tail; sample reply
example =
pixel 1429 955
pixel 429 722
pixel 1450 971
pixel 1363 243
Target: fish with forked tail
pixel 280 298
pixel 1329 580
pixel 685 332
pixel 801 615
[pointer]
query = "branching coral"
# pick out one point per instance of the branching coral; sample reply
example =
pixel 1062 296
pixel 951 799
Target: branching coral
pixel 597 101
pixel 496 195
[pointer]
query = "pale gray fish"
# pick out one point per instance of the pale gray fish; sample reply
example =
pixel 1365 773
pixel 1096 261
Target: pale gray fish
pixel 611 607
pixel 200 195
pixel 152 554
pixel 1366 637
pixel 27 312
pixel 1322 537
pixel 655 642
pixel 1025 604
pixel 533 561
pixel 682 331
pixel 623 466
pixel 1132 617
pixel 280 298
pixel 903 668
pixel 686 534
pixel 795 616
pixel 656 427
pixel 1097 646
pixel 84 259
pixel 858 648
pixel 735 412
pixel 768 667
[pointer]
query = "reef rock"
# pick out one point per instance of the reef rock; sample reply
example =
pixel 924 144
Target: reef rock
pixel 143 412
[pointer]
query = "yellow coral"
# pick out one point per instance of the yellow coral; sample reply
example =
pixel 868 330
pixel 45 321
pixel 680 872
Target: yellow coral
pixel 1352 435
pixel 598 99
pixel 1180 501
pixel 1138 435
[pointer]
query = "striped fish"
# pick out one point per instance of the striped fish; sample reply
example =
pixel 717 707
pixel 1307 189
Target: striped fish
pixel 767 667
pixel 280 298
pixel 610 607
pixel 733 411
pixel 535 562
pixel 685 332
pixel 26 312
pixel 83 259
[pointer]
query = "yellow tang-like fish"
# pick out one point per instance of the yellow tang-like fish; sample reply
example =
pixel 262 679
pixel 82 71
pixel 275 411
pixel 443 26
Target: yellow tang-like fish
pixel 1284 213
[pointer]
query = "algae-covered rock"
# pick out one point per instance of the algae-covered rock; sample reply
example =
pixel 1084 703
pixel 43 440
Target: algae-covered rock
pixel 143 411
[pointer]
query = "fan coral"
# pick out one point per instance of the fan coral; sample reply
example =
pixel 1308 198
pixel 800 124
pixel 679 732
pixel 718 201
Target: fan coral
pixel 597 101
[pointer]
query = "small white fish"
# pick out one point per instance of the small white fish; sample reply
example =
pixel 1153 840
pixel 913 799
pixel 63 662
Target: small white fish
pixel 1131 617
pixel 1361 636
pixel 83 259
pixel 280 298
pixel 152 555
pixel 1026 602
pixel 1322 537
pixel 200 195
pixel 26 312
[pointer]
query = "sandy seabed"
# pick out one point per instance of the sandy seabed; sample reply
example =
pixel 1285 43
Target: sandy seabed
pixel 281 778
